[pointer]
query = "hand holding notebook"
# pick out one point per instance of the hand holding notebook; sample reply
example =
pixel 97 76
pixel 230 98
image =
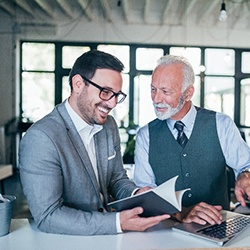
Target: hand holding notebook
pixel 160 200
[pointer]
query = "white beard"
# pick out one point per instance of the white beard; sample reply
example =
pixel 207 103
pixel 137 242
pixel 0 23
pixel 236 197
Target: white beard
pixel 170 111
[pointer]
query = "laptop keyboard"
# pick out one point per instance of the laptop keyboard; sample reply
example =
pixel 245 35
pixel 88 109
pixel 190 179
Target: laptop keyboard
pixel 227 228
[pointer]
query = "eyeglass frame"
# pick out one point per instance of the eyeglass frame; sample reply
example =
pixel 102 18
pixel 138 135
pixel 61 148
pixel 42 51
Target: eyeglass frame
pixel 102 88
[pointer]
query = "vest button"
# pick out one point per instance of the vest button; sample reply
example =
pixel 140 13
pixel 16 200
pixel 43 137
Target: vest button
pixel 184 155
pixel 187 174
pixel 100 209
pixel 189 195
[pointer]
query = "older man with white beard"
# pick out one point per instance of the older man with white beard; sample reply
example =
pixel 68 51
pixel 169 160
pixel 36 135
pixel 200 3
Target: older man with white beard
pixel 194 143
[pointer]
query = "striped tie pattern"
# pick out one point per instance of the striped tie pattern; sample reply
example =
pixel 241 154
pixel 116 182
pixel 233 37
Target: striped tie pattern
pixel 181 138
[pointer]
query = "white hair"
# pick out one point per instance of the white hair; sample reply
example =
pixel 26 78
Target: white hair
pixel 188 72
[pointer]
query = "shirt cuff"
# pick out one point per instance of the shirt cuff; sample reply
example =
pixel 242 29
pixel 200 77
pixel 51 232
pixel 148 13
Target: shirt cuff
pixel 118 224
pixel 245 170
pixel 135 191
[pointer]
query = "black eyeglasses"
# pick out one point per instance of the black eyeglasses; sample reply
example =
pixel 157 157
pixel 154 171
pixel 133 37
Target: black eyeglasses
pixel 107 94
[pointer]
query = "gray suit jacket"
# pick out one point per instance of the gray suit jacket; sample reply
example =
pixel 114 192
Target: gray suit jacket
pixel 58 179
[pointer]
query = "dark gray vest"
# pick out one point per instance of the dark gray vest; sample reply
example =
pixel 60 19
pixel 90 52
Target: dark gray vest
pixel 200 165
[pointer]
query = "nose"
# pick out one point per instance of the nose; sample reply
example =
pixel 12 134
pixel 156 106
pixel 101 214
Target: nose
pixel 156 96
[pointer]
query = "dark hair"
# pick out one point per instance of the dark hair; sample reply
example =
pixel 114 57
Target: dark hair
pixel 89 62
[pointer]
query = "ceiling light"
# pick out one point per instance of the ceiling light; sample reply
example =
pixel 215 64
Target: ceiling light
pixel 223 12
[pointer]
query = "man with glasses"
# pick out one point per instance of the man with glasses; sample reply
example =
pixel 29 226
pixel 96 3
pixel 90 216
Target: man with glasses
pixel 70 161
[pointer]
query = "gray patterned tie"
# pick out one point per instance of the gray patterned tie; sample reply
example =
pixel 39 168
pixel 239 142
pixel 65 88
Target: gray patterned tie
pixel 181 138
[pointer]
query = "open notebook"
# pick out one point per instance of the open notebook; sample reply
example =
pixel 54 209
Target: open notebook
pixel 233 225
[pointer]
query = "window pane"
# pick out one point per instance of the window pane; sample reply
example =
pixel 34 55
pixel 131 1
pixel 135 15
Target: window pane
pixel 219 94
pixel 71 53
pixel 196 99
pixel 65 88
pixel 120 112
pixel 33 59
pixel 245 62
pixel 147 58
pixel 192 54
pixel 245 102
pixel 38 94
pixel 119 51
pixel 219 61
pixel 143 105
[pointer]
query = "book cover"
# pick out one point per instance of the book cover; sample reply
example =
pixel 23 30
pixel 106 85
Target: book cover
pixel 161 200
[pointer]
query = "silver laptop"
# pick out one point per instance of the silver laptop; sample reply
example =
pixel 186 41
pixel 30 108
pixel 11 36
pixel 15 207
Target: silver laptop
pixel 232 226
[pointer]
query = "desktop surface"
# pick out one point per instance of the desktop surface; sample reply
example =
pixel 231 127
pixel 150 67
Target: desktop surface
pixel 25 235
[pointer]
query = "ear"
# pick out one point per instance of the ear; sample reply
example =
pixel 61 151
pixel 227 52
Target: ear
pixel 77 83
pixel 189 92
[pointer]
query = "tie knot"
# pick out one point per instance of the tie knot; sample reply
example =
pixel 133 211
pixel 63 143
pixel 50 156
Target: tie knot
pixel 179 125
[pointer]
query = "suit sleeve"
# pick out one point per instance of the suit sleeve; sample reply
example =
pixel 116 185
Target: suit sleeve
pixel 42 179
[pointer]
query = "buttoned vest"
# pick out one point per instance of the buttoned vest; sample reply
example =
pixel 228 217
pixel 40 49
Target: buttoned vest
pixel 200 165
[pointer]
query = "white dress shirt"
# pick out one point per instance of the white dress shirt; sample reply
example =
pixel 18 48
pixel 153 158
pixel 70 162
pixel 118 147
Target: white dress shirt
pixel 87 132
pixel 234 148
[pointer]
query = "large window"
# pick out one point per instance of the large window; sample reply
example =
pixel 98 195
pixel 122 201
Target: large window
pixel 221 84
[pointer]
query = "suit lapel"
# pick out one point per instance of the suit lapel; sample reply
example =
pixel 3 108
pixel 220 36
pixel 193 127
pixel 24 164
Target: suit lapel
pixel 78 145
pixel 102 160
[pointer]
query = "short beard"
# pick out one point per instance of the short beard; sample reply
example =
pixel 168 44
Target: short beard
pixel 170 111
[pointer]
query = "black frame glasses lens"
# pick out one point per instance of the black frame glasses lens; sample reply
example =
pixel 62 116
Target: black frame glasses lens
pixel 120 96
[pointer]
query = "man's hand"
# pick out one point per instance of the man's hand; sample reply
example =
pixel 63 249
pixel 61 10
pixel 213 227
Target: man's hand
pixel 131 221
pixel 201 213
pixel 242 188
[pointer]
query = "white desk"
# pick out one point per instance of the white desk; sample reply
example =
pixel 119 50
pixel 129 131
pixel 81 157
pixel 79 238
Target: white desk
pixel 25 236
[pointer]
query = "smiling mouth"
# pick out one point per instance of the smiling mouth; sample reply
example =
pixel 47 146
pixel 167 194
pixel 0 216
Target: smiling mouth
pixel 103 111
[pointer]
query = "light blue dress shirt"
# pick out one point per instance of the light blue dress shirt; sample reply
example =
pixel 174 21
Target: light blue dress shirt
pixel 235 149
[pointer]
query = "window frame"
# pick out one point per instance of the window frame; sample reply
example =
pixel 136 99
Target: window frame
pixel 60 72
